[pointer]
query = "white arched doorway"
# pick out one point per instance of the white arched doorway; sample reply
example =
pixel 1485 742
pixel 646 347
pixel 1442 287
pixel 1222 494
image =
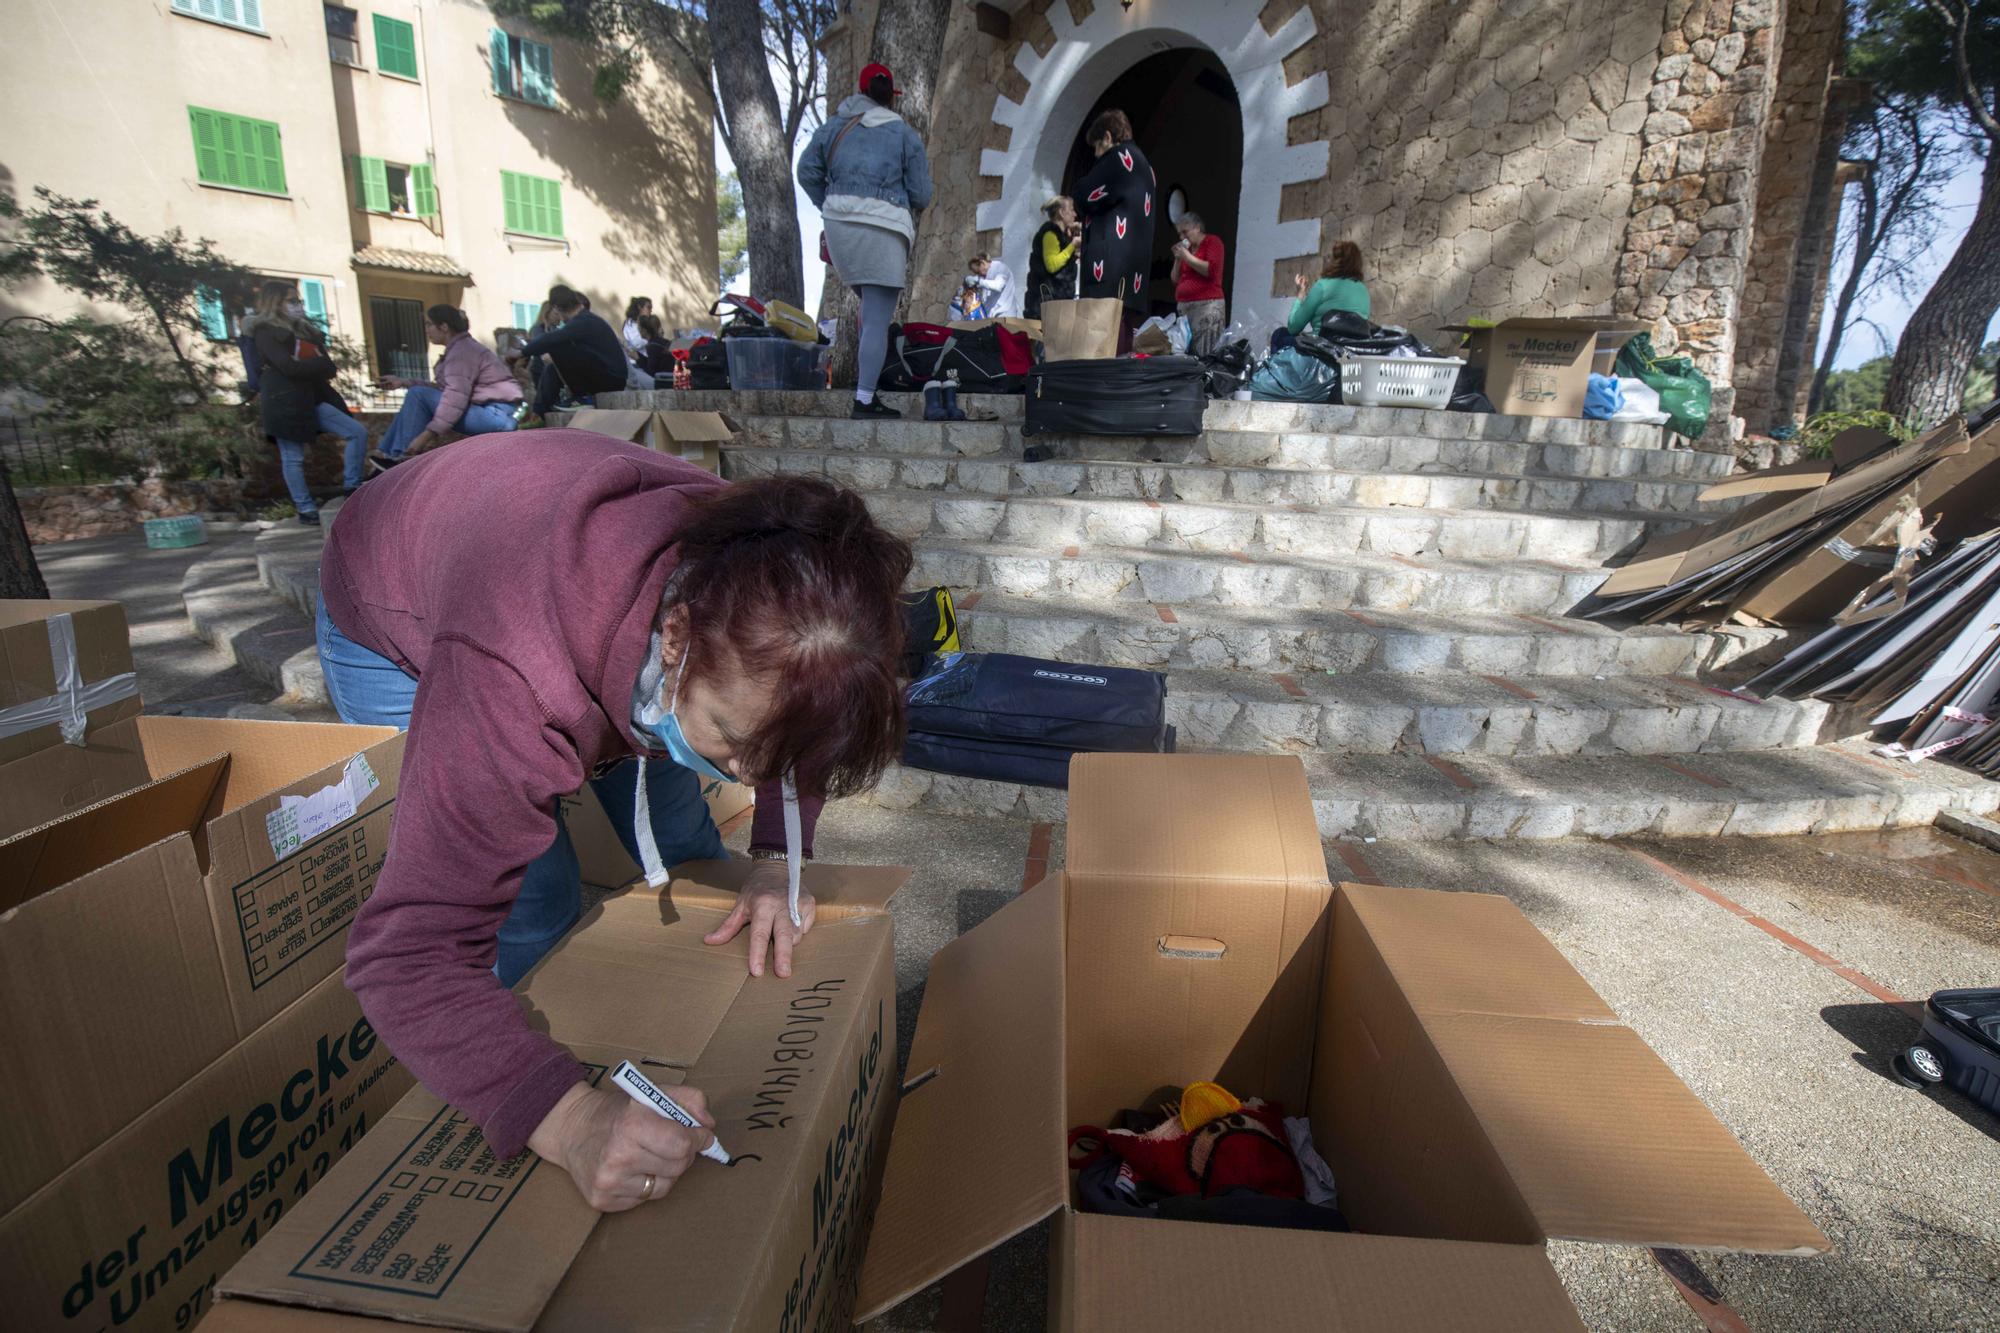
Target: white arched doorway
pixel 1084 61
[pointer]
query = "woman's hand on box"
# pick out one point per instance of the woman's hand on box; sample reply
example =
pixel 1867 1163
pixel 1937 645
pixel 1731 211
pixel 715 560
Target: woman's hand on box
pixel 612 1146
pixel 763 905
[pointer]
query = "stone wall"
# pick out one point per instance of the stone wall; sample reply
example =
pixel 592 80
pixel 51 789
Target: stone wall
pixel 69 513
pixel 1801 149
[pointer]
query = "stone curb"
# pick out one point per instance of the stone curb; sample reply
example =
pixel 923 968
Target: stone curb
pixel 227 607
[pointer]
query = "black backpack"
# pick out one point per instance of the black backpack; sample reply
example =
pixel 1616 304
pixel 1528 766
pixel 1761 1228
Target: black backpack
pixel 708 366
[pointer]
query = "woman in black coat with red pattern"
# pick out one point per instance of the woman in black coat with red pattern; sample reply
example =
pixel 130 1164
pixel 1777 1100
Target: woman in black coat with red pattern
pixel 1115 198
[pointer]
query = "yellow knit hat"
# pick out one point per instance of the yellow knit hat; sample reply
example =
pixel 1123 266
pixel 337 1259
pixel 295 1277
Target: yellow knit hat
pixel 1203 1102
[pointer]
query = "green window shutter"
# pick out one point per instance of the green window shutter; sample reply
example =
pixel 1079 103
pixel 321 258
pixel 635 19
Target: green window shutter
pixel 525 312
pixel 207 145
pixel 510 201
pixel 503 64
pixel 374 184
pixel 395 47
pixel 538 73
pixel 552 218
pixel 423 185
pixel 314 293
pixel 266 150
pixel 214 321
pixel 253 14
pixel 229 135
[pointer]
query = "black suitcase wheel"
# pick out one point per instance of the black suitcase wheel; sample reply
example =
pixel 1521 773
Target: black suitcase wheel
pixel 1918 1067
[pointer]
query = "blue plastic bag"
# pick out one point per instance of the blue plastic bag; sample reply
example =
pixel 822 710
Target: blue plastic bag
pixel 1604 399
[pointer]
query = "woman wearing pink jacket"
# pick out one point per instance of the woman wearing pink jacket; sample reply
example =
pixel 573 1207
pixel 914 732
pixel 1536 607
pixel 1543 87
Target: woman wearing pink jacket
pixel 472 391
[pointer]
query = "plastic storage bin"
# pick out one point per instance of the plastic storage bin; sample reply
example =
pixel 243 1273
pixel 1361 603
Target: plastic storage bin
pixel 171 533
pixel 775 363
pixel 1398 381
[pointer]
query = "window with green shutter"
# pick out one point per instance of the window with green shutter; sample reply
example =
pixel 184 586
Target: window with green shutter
pixel 423 188
pixel 525 314
pixel 531 205
pixel 237 151
pixel 395 47
pixel 313 292
pixel 522 68
pixel 236 13
pixel 214 319
pixel 371 184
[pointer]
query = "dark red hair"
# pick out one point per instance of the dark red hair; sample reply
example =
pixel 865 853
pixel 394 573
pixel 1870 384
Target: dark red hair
pixel 790 580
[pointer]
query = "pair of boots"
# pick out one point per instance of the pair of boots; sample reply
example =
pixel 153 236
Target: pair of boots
pixel 941 401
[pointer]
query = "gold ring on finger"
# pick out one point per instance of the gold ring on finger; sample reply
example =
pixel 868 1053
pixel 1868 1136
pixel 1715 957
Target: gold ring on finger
pixel 646 1190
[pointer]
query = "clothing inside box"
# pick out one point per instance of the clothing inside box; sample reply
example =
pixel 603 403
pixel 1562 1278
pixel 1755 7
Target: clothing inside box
pixel 1275 992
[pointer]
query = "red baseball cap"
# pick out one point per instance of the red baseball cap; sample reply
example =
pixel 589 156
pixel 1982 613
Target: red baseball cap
pixel 870 73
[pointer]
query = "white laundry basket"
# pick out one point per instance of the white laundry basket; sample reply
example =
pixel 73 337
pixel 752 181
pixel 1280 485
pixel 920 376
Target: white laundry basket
pixel 1398 381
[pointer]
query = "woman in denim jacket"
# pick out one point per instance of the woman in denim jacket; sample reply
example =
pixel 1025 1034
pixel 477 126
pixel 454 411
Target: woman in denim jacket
pixel 866 172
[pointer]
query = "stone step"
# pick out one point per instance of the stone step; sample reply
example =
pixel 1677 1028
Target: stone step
pixel 1228 415
pixel 1136 634
pixel 1212 482
pixel 1827 789
pixel 1049 523
pixel 1461 713
pixel 1242 448
pixel 1357 581
pixel 228 606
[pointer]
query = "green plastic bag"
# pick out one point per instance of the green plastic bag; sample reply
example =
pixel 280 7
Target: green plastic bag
pixel 1683 390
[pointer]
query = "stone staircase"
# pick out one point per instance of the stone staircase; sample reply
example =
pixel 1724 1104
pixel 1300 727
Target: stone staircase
pixel 1382 592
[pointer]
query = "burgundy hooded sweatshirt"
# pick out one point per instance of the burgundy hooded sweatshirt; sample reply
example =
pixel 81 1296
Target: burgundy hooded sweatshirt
pixel 518 578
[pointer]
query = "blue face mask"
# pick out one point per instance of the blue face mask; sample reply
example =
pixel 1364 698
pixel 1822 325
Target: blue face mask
pixel 667 728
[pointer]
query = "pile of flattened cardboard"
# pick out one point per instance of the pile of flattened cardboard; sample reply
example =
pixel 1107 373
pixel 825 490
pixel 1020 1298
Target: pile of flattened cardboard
pixel 1820 538
pixel 181 1060
pixel 1923 665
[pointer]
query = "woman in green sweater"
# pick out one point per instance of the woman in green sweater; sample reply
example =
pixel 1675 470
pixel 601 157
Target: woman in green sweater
pixel 1339 288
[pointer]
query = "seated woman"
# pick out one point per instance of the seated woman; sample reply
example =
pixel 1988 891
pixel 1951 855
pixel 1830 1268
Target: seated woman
pixel 472 390
pixel 1339 288
pixel 656 356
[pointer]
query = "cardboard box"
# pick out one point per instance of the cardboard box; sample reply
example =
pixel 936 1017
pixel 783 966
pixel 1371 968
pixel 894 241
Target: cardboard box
pixel 143 937
pixel 1542 367
pixel 136 1233
pixel 1472 1094
pixel 693 436
pixel 1032 328
pixel 65 671
pixel 423 1226
pixel 602 857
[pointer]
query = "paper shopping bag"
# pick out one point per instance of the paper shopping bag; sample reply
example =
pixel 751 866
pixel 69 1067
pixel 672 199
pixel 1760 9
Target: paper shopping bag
pixel 1081 330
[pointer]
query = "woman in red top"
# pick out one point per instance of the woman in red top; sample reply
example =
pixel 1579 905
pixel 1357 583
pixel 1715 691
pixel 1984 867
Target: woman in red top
pixel 1198 284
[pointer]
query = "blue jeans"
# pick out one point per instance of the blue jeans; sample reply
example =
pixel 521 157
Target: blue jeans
pixel 354 433
pixel 420 403
pixel 370 690
pixel 292 462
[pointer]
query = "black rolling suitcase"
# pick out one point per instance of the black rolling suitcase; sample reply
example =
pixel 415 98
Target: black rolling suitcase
pixel 1149 395
pixel 1960 1046
pixel 1019 719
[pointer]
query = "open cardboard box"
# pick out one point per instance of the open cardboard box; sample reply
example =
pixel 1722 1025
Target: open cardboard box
pixel 602 857
pixel 693 436
pixel 73 660
pixel 423 1226
pixel 1542 367
pixel 157 929
pixel 1472 1094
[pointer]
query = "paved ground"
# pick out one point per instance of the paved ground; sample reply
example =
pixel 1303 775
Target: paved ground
pixel 178 673
pixel 1763 971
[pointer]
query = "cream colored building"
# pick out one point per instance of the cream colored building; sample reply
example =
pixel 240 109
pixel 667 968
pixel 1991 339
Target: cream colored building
pixel 388 154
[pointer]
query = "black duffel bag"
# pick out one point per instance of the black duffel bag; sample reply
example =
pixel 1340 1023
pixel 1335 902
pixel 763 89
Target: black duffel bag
pixel 1019 719
pixel 973 357
pixel 1149 395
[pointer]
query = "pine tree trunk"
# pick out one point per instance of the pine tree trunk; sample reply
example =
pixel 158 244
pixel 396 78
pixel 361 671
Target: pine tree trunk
pixel 20 576
pixel 758 146
pixel 1934 356
pixel 1843 310
pixel 909 39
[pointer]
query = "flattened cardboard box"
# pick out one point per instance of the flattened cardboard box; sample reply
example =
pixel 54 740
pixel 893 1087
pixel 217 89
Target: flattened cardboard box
pixel 74 660
pixel 1194 935
pixel 136 1234
pixel 423 1225
pixel 159 928
pixel 693 436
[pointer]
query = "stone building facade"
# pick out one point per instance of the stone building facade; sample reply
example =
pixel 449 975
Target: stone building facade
pixel 1491 157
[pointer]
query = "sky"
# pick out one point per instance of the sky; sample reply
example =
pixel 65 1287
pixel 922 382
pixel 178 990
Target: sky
pixel 1961 198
